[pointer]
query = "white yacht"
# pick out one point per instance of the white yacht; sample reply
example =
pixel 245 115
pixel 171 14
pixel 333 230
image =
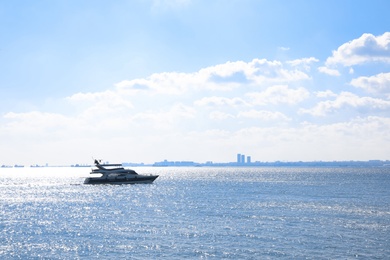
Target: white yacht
pixel 116 174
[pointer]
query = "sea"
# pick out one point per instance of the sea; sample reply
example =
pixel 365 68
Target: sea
pixel 197 213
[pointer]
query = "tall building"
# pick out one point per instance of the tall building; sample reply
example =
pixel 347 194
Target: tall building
pixel 241 159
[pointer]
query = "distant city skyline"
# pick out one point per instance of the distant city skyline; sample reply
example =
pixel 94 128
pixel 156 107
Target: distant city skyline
pixel 240 161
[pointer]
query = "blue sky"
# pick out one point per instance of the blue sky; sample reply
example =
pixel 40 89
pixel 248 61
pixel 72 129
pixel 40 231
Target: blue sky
pixel 194 80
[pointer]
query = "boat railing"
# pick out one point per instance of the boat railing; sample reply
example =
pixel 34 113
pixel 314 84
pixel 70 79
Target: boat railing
pixel 111 165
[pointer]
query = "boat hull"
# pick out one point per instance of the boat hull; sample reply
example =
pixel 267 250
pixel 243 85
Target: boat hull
pixel 118 180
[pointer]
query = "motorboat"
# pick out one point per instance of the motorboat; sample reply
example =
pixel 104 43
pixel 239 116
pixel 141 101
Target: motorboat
pixel 117 174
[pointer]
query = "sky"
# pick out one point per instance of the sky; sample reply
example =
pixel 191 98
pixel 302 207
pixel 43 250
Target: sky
pixel 194 80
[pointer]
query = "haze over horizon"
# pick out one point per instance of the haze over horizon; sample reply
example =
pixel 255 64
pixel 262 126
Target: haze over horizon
pixel 144 81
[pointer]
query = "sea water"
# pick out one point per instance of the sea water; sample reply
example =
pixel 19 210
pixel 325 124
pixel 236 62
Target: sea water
pixel 199 212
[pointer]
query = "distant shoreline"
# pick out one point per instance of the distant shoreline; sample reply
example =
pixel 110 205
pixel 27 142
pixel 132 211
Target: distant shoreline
pixel 370 163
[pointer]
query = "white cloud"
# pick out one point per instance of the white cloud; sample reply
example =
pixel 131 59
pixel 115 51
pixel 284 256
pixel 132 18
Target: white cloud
pixel 331 72
pixel 337 140
pixel 229 68
pixel 375 84
pixel 220 101
pixel 307 141
pixel 305 62
pixel 257 71
pixel 164 119
pixel 274 73
pixel 171 83
pixel 93 97
pixel 37 123
pixel 218 115
pixel 347 99
pixel 174 83
pixel 284 48
pixel 263 115
pixel 221 77
pixel 325 94
pixel 279 94
pixel 367 48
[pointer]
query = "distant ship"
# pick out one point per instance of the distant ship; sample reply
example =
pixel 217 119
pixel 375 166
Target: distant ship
pixel 116 174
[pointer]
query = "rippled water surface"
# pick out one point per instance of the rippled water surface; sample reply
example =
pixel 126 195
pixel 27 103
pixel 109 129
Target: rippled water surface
pixel 237 213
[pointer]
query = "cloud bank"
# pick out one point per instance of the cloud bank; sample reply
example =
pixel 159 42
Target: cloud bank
pixel 365 49
pixel 273 110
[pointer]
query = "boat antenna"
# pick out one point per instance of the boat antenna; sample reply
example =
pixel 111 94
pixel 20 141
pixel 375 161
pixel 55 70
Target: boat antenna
pixel 96 161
